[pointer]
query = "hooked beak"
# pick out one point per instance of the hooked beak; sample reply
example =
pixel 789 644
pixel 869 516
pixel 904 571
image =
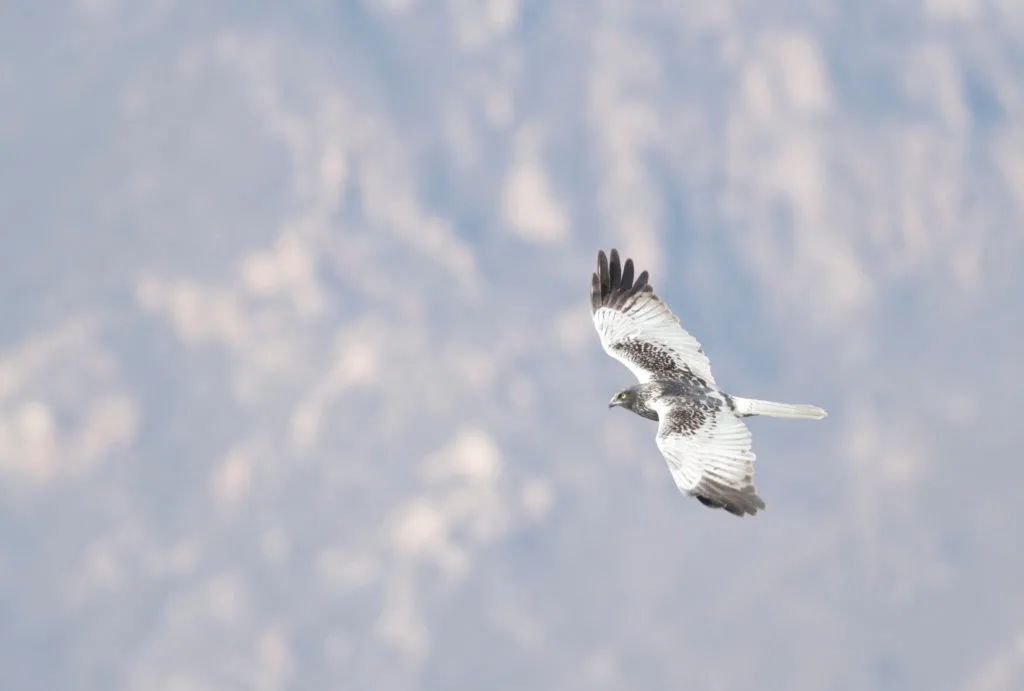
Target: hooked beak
pixel 613 403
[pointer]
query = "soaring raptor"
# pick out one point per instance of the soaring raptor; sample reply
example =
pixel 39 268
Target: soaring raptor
pixel 700 432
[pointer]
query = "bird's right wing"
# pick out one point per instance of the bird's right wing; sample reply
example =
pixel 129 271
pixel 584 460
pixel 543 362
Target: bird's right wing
pixel 638 329
pixel 708 453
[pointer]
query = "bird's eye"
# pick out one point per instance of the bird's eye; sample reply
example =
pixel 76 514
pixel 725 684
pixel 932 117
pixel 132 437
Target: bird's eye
pixel 622 396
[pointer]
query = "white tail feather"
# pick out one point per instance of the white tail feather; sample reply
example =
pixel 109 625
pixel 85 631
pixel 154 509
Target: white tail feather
pixel 752 406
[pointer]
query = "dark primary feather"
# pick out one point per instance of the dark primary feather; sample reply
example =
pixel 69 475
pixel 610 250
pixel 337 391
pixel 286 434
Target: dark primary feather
pixel 613 284
pixel 595 293
pixel 627 273
pixel 736 502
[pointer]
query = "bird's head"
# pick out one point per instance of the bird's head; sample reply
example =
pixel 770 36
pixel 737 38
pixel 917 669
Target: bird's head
pixel 622 398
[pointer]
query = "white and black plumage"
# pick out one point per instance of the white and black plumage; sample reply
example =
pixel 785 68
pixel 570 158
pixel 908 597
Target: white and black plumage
pixel 700 432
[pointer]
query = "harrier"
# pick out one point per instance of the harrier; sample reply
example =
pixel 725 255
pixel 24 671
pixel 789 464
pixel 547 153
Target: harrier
pixel 700 432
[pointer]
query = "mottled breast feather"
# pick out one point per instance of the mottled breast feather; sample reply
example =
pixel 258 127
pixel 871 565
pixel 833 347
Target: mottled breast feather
pixel 638 329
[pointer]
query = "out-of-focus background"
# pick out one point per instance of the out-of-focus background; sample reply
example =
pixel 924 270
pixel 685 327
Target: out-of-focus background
pixel 298 384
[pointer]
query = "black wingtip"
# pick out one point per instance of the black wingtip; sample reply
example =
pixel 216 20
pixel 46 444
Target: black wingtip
pixel 627 275
pixel 641 280
pixel 738 502
pixel 624 296
pixel 613 284
pixel 602 272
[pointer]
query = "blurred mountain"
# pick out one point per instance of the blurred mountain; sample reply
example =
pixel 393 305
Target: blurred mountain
pixel 298 385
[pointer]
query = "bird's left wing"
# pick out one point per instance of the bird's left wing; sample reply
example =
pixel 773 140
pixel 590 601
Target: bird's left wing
pixel 709 456
pixel 638 329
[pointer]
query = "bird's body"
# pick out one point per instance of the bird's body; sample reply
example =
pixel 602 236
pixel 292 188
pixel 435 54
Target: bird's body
pixel 700 433
pixel 690 393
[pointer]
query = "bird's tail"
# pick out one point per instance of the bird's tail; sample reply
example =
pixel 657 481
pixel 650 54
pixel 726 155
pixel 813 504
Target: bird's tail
pixel 752 406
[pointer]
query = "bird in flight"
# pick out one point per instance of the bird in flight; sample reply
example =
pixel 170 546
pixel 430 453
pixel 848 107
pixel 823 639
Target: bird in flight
pixel 700 432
